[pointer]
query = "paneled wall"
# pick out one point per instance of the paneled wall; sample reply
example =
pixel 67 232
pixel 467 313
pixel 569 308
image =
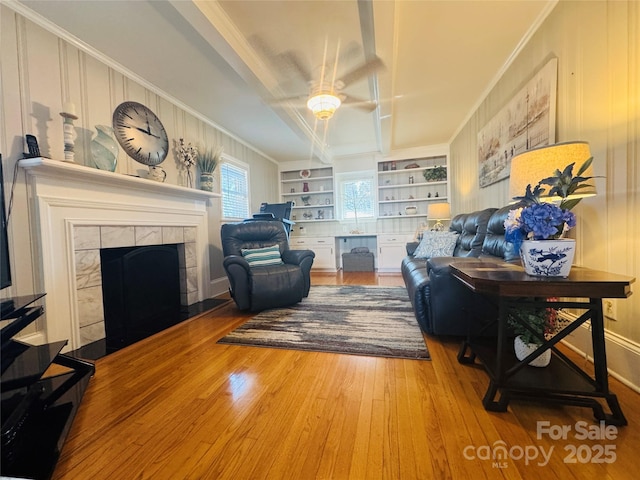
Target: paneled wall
pixel 40 71
pixel 598 48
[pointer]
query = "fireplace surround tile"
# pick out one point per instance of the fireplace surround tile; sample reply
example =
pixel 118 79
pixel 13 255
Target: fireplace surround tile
pixel 87 268
pixel 148 235
pixel 118 236
pixel 190 259
pixel 190 234
pixel 172 235
pixel 86 237
pixel 90 306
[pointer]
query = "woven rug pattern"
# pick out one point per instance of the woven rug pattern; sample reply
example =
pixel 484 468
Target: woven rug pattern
pixel 360 320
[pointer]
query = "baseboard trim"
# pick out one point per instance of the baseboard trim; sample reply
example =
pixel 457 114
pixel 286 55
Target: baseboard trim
pixel 218 286
pixel 623 355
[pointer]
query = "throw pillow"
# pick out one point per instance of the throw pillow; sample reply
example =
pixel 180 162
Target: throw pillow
pixel 436 244
pixel 260 257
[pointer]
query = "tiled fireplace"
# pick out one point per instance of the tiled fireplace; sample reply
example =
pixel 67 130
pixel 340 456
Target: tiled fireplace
pixel 78 210
pixel 89 240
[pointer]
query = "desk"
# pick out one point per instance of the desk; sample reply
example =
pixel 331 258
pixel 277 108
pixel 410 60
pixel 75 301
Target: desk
pixel 562 381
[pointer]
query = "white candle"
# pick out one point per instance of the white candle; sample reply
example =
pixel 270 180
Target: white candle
pixel 69 107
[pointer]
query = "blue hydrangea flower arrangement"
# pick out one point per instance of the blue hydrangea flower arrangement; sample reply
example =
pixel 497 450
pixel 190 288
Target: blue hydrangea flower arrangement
pixel 538 220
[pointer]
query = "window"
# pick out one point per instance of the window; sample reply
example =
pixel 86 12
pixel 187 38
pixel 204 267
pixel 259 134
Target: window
pixel 234 181
pixel 355 196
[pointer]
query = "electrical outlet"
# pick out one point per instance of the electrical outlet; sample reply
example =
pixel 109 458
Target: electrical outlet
pixel 609 307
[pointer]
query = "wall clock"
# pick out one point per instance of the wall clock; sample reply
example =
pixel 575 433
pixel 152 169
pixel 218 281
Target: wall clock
pixel 140 133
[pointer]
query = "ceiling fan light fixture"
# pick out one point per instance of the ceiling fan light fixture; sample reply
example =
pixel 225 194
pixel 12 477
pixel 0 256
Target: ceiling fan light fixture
pixel 323 105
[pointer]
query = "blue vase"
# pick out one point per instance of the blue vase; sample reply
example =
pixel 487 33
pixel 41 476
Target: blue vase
pixel 104 149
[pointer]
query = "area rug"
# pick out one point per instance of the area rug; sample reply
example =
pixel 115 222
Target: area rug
pixel 359 320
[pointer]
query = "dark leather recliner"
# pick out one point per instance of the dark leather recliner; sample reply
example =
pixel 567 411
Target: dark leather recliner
pixel 261 287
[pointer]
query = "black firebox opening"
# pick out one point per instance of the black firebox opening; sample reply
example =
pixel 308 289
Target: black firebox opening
pixel 141 292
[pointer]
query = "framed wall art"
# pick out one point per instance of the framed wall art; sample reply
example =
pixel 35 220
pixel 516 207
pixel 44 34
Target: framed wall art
pixel 526 122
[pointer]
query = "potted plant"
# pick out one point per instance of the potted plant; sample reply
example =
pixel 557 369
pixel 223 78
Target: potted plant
pixel 538 221
pixel 543 322
pixel 435 174
pixel 207 163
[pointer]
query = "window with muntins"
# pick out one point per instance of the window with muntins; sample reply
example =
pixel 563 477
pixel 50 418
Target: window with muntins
pixel 234 185
pixel 356 198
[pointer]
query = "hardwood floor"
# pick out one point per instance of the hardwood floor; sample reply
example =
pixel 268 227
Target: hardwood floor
pixel 179 406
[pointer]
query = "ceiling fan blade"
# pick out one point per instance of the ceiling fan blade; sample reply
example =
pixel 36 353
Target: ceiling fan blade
pixel 366 105
pixel 296 100
pixel 285 63
pixel 293 59
pixel 363 70
pixel 350 53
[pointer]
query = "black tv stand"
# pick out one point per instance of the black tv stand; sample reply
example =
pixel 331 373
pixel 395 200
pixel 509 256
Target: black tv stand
pixel 6 307
pixel 41 390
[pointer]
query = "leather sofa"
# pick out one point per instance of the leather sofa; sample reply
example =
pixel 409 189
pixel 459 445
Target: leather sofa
pixel 257 288
pixel 441 304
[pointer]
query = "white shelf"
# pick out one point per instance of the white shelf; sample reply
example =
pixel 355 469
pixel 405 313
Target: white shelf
pixel 313 220
pixel 403 216
pixel 403 170
pixel 409 200
pixel 418 189
pixel 315 192
pixel 297 180
pixel 405 185
pixel 307 207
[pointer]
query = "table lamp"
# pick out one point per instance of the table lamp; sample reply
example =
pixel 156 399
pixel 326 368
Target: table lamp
pixel 529 167
pixel 438 212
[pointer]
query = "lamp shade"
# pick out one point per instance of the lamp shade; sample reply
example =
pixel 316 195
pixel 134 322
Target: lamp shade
pixel 530 167
pixel 439 211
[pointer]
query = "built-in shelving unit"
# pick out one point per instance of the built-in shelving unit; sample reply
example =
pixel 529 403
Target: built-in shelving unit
pixel 311 190
pixel 402 184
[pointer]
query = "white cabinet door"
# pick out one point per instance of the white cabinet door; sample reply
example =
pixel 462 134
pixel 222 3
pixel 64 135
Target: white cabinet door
pixel 391 250
pixel 323 247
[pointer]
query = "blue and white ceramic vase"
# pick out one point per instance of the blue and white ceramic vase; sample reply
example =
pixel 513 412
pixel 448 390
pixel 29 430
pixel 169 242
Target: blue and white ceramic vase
pixel 104 148
pixel 548 258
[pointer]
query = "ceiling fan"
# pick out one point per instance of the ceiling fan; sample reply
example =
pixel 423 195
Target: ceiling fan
pixel 326 92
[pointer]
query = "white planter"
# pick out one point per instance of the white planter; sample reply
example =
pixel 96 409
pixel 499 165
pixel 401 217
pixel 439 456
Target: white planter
pixel 523 350
pixel 548 258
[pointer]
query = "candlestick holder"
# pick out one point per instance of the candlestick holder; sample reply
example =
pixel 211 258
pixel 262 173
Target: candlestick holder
pixel 70 135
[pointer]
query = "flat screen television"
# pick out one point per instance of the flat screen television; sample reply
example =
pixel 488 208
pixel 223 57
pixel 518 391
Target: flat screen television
pixel 5 268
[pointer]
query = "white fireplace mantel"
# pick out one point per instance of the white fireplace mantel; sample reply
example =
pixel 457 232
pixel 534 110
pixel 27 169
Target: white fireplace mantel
pixel 42 167
pixel 65 198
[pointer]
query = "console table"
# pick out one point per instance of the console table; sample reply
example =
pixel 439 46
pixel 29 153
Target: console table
pixel 41 390
pixel 562 381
